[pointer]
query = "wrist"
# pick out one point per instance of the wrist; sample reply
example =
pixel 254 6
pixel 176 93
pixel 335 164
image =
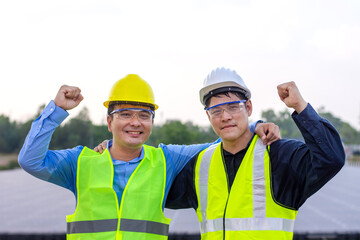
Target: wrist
pixel 301 107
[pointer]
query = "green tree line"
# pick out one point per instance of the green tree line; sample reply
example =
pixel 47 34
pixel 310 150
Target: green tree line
pixel 80 130
pixel 288 129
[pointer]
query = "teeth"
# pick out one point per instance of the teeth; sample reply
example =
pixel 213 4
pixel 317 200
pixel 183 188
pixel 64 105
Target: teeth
pixel 134 132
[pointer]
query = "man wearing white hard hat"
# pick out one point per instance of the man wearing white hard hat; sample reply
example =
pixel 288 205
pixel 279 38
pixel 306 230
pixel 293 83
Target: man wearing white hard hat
pixel 120 193
pixel 243 189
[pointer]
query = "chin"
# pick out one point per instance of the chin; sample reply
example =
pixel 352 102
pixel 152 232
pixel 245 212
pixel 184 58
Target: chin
pixel 133 144
pixel 229 135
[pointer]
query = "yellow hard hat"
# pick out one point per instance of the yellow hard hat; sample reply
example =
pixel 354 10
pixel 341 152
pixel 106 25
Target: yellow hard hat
pixel 132 89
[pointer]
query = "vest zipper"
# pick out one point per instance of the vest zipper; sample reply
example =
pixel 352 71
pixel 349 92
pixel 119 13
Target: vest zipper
pixel 228 185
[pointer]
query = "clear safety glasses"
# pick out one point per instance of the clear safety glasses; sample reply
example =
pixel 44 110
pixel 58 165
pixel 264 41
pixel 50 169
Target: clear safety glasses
pixel 126 114
pixel 231 108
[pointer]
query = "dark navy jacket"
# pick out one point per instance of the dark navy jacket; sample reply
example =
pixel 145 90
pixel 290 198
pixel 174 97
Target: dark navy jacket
pixel 298 169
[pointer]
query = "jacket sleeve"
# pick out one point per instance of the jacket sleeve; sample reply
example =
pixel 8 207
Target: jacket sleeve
pixel 300 169
pixel 58 167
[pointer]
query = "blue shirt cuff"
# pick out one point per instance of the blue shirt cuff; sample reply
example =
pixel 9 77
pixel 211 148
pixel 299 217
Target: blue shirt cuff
pixel 55 113
pixel 252 126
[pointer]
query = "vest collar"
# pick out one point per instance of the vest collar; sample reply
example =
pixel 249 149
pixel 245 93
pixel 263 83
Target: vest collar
pixel 226 153
pixel 119 162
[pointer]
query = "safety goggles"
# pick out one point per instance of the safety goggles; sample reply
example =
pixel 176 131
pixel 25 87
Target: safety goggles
pixel 126 114
pixel 230 107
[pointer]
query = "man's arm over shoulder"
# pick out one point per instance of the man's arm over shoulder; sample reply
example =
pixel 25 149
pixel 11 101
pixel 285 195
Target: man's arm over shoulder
pixel 179 155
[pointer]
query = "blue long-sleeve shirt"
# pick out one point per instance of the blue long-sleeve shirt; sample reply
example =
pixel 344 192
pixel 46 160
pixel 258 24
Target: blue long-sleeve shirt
pixel 298 169
pixel 59 166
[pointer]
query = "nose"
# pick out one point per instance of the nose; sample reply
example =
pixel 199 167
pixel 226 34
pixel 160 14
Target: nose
pixel 135 120
pixel 225 115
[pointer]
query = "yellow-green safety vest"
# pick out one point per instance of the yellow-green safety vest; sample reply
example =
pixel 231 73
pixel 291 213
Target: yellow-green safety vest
pixel 97 214
pixel 247 210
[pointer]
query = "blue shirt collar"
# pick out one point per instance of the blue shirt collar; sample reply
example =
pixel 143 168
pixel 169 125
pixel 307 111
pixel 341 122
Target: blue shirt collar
pixel 118 162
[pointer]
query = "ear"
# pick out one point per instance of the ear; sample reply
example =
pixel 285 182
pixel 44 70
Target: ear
pixel 249 107
pixel 208 116
pixel 152 124
pixel 109 120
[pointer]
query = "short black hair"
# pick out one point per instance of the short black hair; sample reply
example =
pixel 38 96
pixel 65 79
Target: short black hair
pixel 240 95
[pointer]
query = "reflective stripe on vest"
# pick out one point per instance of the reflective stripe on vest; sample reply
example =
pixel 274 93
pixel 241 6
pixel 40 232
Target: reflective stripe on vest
pixel 204 178
pixel 245 224
pixel 132 225
pixel 259 221
pixel 108 225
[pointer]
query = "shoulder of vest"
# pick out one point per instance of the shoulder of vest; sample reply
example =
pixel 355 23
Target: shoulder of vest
pixel 148 146
pixel 256 139
pixel 88 150
pixel 153 149
pixel 212 147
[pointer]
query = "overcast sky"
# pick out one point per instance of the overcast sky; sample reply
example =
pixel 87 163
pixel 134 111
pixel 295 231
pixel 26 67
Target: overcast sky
pixel 174 45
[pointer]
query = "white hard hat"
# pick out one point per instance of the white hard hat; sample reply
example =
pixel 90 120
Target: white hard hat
pixel 223 80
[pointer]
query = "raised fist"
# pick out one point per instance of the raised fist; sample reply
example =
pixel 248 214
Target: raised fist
pixel 290 95
pixel 68 97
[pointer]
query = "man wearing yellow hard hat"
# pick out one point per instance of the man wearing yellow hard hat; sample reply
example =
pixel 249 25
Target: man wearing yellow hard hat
pixel 119 193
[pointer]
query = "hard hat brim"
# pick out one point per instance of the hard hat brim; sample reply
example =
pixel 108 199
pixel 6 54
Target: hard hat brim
pixel 107 103
pixel 204 92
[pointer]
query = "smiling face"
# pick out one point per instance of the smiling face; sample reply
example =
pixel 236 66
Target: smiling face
pixel 130 133
pixel 232 128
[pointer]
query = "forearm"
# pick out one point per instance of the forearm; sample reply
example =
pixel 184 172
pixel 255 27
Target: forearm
pixel 36 159
pixel 179 155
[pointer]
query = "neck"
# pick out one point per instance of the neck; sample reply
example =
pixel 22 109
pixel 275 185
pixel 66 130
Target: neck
pixel 124 153
pixel 236 145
